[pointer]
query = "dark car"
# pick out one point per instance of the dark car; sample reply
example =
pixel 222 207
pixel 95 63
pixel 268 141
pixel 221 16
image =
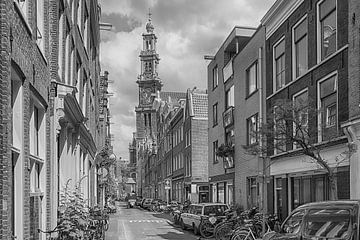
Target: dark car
pixel 322 220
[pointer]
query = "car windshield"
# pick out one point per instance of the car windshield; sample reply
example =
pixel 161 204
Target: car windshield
pixel 218 210
pixel 328 224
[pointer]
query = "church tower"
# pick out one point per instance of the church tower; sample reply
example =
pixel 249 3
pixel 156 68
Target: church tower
pixel 149 86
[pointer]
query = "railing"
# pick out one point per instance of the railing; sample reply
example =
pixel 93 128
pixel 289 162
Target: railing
pixel 228 70
pixel 228 117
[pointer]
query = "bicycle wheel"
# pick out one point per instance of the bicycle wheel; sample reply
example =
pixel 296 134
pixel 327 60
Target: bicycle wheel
pixel 223 232
pixel 242 235
pixel 206 229
pixel 106 225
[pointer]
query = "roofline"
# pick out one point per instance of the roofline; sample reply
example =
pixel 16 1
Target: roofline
pixel 233 29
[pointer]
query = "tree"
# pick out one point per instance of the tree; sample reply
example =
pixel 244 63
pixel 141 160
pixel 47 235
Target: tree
pixel 293 125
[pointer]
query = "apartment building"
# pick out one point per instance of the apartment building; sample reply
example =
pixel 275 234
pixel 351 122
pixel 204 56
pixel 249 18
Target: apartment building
pixel 50 78
pixel 249 75
pixel 221 128
pixel 195 148
pixel 307 61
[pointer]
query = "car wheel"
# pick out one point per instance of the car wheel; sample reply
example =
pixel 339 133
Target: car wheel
pixel 195 229
pixel 182 224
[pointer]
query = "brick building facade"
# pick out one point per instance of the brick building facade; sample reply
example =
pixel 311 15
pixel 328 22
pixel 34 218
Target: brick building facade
pixel 307 59
pixel 50 81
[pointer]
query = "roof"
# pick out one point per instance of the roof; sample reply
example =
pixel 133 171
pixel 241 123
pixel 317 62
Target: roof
pixel 173 95
pixel 198 103
pixel 208 204
pixel 330 203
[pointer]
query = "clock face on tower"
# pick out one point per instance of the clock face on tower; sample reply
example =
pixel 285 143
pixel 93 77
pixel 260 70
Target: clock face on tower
pixel 145 95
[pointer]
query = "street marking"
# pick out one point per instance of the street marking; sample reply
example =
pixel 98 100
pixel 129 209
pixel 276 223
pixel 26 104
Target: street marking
pixel 147 221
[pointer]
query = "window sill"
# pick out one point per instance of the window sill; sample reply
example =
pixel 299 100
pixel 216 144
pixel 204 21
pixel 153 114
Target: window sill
pixel 322 62
pixel 36 194
pixel 251 94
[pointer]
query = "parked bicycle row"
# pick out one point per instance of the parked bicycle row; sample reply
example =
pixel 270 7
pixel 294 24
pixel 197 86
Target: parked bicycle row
pixel 321 220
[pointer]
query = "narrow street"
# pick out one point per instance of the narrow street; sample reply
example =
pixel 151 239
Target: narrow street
pixel 136 224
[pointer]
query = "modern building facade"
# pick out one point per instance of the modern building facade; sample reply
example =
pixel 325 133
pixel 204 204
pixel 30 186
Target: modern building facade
pixel 249 73
pixel 221 128
pixel 307 60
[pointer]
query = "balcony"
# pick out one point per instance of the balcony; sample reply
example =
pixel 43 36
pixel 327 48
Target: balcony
pixel 228 71
pixel 228 117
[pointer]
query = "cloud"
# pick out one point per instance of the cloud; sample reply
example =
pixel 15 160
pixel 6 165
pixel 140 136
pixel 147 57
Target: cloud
pixel 121 22
pixel 186 30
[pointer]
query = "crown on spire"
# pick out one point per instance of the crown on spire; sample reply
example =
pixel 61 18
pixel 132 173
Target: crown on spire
pixel 149 26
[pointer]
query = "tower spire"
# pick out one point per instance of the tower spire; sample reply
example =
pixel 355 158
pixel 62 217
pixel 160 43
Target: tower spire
pixel 149 25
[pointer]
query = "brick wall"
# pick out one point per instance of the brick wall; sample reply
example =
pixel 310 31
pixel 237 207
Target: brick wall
pixel 199 149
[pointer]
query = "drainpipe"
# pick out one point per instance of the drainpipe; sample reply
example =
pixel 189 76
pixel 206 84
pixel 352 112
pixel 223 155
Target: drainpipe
pixel 262 156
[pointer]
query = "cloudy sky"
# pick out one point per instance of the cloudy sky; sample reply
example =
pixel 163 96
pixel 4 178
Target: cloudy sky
pixel 186 30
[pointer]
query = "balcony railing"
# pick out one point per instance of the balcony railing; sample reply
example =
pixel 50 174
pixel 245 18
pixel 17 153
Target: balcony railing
pixel 228 71
pixel 228 117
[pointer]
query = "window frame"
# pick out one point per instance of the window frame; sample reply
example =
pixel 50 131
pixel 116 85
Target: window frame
pixel 274 64
pixel 215 83
pixel 320 128
pixel 248 71
pixel 230 97
pixel 319 32
pixel 299 93
pixel 248 122
pixel 215 146
pixel 215 114
pixel 294 43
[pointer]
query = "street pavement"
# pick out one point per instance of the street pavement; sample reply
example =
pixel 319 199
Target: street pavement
pixel 139 224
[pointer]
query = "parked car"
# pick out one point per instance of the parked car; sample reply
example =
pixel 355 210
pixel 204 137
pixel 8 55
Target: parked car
pixel 195 212
pixel 147 203
pixel 138 201
pixel 321 220
pixel 131 201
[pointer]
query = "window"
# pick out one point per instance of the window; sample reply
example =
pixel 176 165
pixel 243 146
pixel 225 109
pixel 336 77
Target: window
pixel 280 130
pixel 300 121
pixel 252 129
pixel 251 79
pixel 279 65
pixel 300 48
pixel 37 129
pixel 229 98
pixel 40 24
pixel 215 114
pixel 215 148
pixel 278 196
pixel 229 137
pixel 327 22
pixel 333 223
pixel 215 75
pixel 252 191
pixel 328 105
pixel 331 115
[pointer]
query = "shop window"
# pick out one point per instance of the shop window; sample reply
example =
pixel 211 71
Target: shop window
pixel 278 196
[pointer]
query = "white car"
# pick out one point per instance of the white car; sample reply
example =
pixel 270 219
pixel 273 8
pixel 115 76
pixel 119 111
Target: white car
pixel 192 216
